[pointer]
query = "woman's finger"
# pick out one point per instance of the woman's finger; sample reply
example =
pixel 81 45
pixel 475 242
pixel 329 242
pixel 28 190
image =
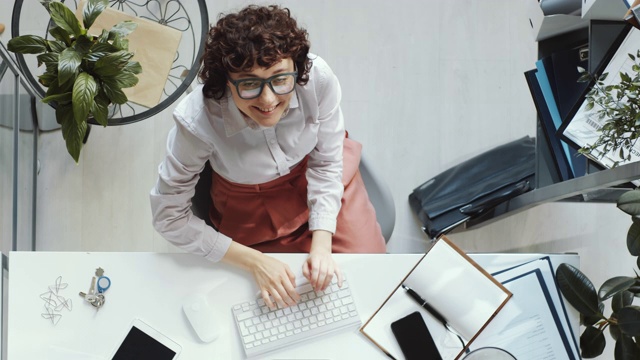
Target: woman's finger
pixel 292 296
pixel 322 276
pixel 338 272
pixel 328 278
pixel 267 299
pixel 305 270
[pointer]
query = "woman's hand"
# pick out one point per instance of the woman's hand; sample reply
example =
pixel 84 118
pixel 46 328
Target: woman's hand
pixel 320 266
pixel 274 278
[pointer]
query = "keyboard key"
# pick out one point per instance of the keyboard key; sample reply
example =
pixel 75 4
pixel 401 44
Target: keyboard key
pixel 244 316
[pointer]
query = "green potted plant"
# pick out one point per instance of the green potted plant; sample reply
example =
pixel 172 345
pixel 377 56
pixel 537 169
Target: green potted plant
pixel 619 104
pixel 84 73
pixel 624 321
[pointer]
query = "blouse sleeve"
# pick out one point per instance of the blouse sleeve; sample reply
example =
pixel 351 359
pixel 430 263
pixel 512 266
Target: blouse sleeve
pixel 324 173
pixel 171 197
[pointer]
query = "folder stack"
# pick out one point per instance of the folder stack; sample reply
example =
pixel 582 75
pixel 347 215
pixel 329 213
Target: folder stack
pixel 556 92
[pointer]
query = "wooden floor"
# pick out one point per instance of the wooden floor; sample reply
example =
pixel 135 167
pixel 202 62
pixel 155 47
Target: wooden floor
pixel 426 85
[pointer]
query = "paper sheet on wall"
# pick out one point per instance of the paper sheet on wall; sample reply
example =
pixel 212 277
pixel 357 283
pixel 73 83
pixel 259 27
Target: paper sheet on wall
pixel 154 46
pixel 584 127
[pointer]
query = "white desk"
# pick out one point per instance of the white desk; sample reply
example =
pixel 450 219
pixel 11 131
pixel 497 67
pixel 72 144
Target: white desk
pixel 152 287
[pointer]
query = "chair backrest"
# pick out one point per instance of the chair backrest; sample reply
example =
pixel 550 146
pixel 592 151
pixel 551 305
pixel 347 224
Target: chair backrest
pixel 380 197
pixel 201 200
pixel 378 190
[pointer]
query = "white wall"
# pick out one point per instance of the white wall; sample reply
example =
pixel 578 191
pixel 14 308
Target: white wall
pixel 426 85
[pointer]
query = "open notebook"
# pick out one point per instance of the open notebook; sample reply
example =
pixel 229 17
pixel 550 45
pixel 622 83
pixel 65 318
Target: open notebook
pixel 456 286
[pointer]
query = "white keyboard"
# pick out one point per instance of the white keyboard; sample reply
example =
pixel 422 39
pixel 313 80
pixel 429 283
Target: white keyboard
pixel 316 314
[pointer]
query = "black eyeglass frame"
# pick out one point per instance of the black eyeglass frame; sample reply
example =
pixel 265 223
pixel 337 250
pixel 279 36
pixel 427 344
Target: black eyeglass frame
pixel 262 83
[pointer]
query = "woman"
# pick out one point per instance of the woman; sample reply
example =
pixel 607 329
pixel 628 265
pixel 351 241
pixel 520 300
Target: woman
pixel 268 119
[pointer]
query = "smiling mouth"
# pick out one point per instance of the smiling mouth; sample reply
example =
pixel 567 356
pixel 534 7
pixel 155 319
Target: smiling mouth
pixel 266 110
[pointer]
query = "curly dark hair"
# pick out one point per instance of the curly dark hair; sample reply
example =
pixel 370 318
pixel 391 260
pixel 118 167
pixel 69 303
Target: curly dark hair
pixel 262 35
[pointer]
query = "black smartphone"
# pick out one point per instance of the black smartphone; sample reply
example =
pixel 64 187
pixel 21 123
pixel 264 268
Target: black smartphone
pixel 414 338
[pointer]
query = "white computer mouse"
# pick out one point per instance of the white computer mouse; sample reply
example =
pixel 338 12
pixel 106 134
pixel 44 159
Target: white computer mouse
pixel 202 317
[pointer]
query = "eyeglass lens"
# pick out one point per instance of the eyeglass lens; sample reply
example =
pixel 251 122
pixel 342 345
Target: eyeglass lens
pixel 251 88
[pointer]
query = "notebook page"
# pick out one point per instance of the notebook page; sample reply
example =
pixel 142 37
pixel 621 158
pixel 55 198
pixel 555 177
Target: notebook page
pixel 458 289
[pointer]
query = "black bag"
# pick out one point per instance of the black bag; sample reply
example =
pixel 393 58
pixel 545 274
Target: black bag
pixel 475 186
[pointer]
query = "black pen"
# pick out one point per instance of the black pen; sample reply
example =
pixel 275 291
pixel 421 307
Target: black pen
pixel 415 296
pixel 425 305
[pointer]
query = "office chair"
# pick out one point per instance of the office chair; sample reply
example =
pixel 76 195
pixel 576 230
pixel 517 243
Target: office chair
pixel 378 190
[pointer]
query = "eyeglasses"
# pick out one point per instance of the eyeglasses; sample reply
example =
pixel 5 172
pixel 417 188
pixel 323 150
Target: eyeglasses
pixel 251 88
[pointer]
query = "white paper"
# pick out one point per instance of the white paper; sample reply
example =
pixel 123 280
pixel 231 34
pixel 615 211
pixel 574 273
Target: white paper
pixel 528 327
pixel 585 124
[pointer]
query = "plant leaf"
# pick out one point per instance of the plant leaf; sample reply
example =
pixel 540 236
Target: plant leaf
pixel 100 110
pixel 592 342
pixel 64 113
pixel 47 78
pixel 626 349
pixel 633 237
pixel 614 331
pixel 590 320
pixel 115 94
pixel 103 48
pixel 124 28
pixel 64 17
pixel 56 46
pixel 121 43
pixel 121 80
pixel 91 11
pixel 112 64
pixel 620 300
pixel 62 98
pixel 73 133
pixel 60 34
pixel 629 202
pixel 46 3
pixel 133 67
pixel 27 44
pixel 614 286
pixel 577 289
pixel 83 44
pixel 68 65
pixel 629 320
pixel 84 90
pixel 49 59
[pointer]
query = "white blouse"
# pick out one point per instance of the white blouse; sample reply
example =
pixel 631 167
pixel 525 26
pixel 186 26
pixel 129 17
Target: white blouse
pixel 243 152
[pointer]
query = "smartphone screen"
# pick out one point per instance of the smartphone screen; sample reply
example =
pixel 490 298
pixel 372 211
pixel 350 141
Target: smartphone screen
pixel 414 338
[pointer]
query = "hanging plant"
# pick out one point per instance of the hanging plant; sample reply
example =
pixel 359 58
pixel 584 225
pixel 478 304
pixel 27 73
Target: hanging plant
pixel 84 73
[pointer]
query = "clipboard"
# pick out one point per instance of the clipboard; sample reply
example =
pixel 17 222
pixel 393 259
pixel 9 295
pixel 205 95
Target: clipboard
pixel 444 276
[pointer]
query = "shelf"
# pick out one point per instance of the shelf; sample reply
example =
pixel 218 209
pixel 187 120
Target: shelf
pixel 598 185
pixel 602 186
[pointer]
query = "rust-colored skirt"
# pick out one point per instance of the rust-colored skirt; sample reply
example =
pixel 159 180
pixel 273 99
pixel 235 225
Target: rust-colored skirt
pixel 273 216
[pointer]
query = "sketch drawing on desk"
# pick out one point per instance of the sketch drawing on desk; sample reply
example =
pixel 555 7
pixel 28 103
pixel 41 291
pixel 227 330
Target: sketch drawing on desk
pixel 54 302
